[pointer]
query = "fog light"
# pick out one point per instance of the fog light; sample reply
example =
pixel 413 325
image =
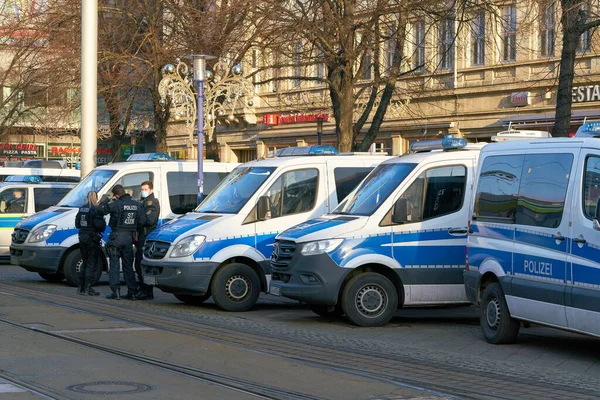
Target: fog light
pixel 309 279
pixel 178 271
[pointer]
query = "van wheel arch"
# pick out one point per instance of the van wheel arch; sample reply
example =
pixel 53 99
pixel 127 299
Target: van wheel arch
pixel 72 277
pixel 235 286
pixel 252 264
pixel 379 269
pixel 487 279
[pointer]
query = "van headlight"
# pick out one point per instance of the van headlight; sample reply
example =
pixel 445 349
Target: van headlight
pixel 187 246
pixel 320 246
pixel 42 233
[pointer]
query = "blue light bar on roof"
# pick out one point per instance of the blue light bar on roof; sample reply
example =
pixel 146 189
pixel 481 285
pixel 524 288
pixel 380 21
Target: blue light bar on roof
pixel 449 142
pixel 323 150
pixel 589 129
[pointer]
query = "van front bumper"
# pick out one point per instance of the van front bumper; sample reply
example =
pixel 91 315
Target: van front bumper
pixel 471 283
pixel 179 278
pixel 311 279
pixel 37 258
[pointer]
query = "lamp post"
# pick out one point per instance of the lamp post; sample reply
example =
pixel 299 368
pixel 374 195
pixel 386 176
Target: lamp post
pixel 319 128
pixel 89 84
pixel 211 93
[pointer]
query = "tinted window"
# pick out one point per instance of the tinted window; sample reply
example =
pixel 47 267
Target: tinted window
pixel 346 179
pixel 498 189
pixel 543 189
pixel 95 180
pixel 436 192
pixel 132 183
pixel 183 189
pixel 13 201
pixel 294 192
pixel 591 186
pixel 48 197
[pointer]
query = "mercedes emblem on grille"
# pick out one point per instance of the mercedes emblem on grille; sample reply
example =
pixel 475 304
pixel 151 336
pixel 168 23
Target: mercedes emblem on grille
pixel 275 254
pixel 151 250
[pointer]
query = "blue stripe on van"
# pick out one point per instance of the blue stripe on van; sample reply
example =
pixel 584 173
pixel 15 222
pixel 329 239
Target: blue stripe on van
pixel 492 231
pixel 478 255
pixel 536 239
pixel 212 247
pixel 356 247
pixel 40 217
pixel 312 226
pixel 584 275
pixel 8 222
pixel 171 231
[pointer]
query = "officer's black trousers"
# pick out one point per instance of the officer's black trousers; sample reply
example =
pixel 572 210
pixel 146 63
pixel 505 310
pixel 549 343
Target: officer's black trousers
pixel 139 249
pixel 120 248
pixel 91 249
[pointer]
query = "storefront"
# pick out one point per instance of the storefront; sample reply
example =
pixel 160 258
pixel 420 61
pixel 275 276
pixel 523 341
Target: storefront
pixel 72 154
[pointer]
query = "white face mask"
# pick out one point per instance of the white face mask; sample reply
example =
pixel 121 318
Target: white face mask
pixel 145 194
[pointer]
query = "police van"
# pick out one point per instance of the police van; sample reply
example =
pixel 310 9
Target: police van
pixel 20 199
pixel 47 242
pixel 222 249
pixel 398 240
pixel 45 174
pixel 534 242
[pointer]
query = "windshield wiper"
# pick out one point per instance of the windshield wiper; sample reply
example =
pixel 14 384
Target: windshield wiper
pixel 341 213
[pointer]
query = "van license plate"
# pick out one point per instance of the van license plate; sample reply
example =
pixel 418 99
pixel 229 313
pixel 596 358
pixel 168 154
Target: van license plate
pixel 275 290
pixel 150 280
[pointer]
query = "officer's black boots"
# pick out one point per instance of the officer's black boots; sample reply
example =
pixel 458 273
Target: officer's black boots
pixel 90 291
pixel 145 293
pixel 129 296
pixel 81 289
pixel 115 295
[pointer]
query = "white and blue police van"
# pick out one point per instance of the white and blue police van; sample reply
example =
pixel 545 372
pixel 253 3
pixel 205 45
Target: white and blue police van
pixel 398 240
pixel 534 243
pixel 47 242
pixel 222 249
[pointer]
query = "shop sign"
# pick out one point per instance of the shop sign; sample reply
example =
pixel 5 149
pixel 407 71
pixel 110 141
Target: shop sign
pixel 64 151
pixel 520 99
pixel 18 149
pixel 582 94
pixel 280 119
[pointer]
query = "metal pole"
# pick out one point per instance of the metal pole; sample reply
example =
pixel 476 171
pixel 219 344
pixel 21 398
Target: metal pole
pixel 89 84
pixel 200 96
pixel 319 129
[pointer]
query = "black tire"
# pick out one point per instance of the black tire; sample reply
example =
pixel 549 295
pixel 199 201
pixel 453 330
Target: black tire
pixel 192 300
pixel 369 299
pixel 235 287
pixel 72 265
pixel 497 324
pixel 324 310
pixel 54 278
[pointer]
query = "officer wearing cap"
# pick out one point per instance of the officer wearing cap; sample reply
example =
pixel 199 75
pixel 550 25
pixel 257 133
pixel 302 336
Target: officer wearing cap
pixel 125 215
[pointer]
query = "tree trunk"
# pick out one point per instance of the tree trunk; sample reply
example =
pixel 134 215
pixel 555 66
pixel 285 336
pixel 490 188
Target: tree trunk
pixel 562 121
pixel 342 98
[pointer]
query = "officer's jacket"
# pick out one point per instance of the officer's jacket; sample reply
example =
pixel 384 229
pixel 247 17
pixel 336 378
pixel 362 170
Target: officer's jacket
pixel 125 213
pixel 150 212
pixel 90 219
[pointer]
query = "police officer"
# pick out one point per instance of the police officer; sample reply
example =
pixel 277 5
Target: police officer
pixel 91 224
pixel 124 218
pixel 148 222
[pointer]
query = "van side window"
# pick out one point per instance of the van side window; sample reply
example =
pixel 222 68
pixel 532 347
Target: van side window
pixel 346 179
pixel 436 192
pixel 294 192
pixel 591 186
pixel 498 189
pixel 132 183
pixel 543 189
pixel 48 197
pixel 13 200
pixel 183 189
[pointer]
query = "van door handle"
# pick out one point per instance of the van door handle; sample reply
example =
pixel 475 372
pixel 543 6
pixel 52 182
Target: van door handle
pixel 558 238
pixel 580 240
pixel 457 231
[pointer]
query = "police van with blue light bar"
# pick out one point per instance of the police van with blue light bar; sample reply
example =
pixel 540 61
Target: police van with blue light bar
pixel 222 249
pixel 398 240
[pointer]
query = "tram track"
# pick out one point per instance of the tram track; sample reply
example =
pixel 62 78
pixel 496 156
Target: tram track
pixel 433 379
pixel 37 389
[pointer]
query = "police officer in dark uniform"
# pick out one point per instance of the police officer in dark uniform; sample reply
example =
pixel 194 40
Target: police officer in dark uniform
pixel 124 218
pixel 148 222
pixel 91 224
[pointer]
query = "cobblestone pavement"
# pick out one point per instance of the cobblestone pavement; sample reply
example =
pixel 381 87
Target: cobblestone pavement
pixel 448 337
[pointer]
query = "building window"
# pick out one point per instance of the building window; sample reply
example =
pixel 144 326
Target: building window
pixel 445 44
pixel 320 65
pixel 298 67
pixel 584 41
pixel 391 47
pixel 419 54
pixel 547 32
pixel 478 39
pixel 509 33
pixel 367 65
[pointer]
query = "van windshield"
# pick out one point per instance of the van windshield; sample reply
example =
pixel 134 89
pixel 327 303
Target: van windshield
pixel 235 190
pixel 95 180
pixel 374 190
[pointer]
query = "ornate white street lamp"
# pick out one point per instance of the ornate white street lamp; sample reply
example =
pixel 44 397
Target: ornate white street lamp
pixel 219 92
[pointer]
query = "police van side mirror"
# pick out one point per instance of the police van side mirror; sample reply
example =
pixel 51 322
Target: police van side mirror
pixel 263 208
pixel 597 216
pixel 400 212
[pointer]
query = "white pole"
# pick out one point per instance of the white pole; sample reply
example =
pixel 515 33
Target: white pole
pixel 89 84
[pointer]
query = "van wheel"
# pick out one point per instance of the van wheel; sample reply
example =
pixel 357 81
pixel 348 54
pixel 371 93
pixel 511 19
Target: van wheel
pixel 235 287
pixel 497 324
pixel 192 300
pixel 369 299
pixel 324 310
pixel 54 278
pixel 72 266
